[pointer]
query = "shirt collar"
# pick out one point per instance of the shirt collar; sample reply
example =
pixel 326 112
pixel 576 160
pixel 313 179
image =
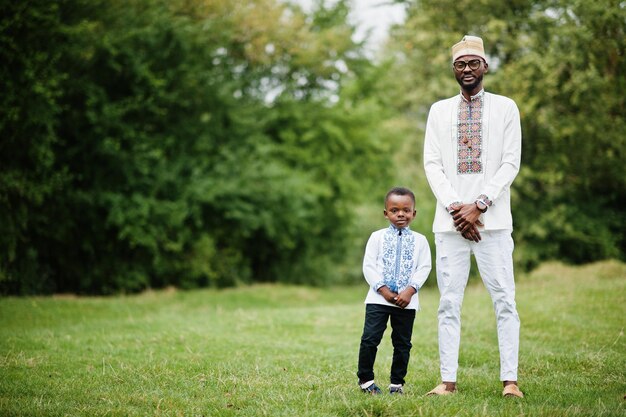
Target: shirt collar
pixel 480 94
pixel 396 231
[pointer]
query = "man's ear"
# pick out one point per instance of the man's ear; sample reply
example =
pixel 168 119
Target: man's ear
pixel 486 67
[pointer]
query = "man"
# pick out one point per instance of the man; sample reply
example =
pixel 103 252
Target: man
pixel 472 154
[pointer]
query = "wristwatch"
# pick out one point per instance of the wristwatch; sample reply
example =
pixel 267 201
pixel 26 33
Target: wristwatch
pixel 481 205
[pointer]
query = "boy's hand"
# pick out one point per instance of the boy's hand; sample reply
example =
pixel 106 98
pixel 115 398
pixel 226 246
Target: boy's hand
pixel 389 295
pixel 404 298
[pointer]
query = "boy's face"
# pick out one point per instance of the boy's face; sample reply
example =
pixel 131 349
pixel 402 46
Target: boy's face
pixel 400 210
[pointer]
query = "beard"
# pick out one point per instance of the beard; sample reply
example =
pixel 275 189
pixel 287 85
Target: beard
pixel 471 86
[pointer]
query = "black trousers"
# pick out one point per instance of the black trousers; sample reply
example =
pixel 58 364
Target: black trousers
pixel 376 317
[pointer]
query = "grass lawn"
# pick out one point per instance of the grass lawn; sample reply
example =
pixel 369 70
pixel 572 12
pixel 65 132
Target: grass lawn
pixel 291 351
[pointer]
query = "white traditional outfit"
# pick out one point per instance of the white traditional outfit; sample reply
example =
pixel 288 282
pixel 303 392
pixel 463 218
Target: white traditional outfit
pixel 397 258
pixel 472 151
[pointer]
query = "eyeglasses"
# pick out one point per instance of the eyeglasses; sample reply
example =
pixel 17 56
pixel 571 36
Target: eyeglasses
pixel 474 64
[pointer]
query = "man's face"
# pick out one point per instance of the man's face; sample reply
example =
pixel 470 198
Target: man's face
pixel 400 210
pixel 470 79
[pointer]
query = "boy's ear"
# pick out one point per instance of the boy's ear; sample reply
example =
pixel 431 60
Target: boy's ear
pixel 385 212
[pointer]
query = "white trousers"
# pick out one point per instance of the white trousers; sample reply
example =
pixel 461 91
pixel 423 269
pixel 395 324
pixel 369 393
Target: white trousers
pixel 494 257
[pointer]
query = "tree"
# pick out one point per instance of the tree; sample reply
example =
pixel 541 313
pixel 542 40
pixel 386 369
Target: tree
pixel 560 61
pixel 571 91
pixel 31 87
pixel 199 143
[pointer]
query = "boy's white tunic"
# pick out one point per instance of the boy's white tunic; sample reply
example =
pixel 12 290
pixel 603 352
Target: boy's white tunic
pixel 498 157
pixel 397 258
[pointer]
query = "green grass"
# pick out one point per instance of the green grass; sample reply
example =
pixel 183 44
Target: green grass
pixel 291 351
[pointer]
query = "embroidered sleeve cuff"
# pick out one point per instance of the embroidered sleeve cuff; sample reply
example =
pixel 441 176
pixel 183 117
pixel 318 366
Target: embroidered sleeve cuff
pixel 377 286
pixel 415 286
pixel 449 206
pixel 485 200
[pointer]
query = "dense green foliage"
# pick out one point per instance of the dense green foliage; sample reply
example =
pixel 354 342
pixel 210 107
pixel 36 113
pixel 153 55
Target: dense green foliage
pixel 569 80
pixel 149 143
pixel 29 113
pixel 563 63
pixel 275 350
pixel 152 143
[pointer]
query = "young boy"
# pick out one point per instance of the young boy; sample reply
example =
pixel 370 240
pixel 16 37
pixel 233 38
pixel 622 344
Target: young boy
pixel 396 264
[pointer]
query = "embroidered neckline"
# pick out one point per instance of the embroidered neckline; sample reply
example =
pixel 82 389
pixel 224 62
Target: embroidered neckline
pixel 480 94
pixel 396 230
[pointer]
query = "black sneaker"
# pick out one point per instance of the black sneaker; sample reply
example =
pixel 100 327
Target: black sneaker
pixel 372 389
pixel 395 390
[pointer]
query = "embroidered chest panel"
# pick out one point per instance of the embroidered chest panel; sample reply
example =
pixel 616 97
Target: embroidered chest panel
pixel 398 252
pixel 470 136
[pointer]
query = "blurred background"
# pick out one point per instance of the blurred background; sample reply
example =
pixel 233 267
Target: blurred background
pixel 215 143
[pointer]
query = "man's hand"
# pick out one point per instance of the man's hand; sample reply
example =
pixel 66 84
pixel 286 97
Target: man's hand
pixel 466 221
pixel 473 234
pixel 404 298
pixel 389 295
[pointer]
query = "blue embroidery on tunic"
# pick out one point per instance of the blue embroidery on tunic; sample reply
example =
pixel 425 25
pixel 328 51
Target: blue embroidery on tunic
pixel 398 252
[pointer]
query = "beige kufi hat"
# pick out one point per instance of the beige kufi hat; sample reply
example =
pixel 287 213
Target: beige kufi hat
pixel 469 45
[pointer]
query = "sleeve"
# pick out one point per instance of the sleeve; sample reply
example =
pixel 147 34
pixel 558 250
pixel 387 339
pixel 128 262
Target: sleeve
pixel 371 273
pixel 423 265
pixel 511 155
pixel 433 162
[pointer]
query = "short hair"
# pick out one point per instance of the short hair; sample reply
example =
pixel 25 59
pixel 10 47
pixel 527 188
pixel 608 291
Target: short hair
pixel 400 191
